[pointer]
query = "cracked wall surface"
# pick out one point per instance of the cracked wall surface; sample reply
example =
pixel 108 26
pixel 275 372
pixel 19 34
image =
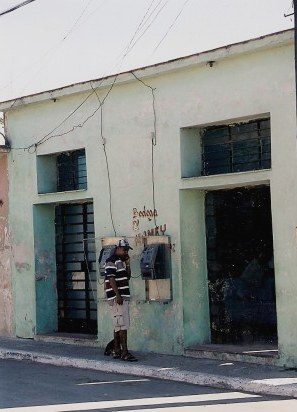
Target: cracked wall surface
pixel 5 273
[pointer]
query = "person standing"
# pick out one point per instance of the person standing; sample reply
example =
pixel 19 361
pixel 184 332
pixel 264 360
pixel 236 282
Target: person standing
pixel 117 275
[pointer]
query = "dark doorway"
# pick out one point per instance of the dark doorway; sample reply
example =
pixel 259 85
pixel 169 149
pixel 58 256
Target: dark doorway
pixel 240 266
pixel 76 271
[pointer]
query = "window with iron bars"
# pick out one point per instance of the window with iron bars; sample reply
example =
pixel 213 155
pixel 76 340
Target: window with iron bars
pixel 71 171
pixel 237 147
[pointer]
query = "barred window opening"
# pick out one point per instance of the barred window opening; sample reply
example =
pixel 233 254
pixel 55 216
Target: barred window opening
pixel 72 171
pixel 236 147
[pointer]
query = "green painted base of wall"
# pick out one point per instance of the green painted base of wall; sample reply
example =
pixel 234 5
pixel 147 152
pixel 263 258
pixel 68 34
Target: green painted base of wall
pixel 194 268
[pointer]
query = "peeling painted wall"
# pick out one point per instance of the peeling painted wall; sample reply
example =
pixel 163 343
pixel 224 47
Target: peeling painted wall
pixel 6 323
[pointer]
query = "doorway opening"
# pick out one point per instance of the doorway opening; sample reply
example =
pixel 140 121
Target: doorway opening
pixel 76 268
pixel 240 264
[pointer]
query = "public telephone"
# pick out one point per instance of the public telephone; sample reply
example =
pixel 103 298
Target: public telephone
pixel 105 254
pixel 155 261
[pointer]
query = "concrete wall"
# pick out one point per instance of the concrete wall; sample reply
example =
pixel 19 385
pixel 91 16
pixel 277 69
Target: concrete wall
pixel 6 321
pixel 234 88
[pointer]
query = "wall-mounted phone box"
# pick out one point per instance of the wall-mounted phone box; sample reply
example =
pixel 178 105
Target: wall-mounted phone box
pixel 155 261
pixel 105 254
pixel 108 247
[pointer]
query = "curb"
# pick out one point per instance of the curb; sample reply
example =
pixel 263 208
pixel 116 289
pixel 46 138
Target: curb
pixel 178 375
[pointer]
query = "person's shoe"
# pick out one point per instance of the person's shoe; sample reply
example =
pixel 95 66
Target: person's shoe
pixel 128 357
pixel 117 355
pixel 109 348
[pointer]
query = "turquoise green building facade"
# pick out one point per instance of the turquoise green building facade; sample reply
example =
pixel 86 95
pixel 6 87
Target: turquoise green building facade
pixel 143 178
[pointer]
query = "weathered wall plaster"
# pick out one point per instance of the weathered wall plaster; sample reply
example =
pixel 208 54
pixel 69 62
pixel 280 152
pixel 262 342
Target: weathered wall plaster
pixel 235 87
pixel 6 320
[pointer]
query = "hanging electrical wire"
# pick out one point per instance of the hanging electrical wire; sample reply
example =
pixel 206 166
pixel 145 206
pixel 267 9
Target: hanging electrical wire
pixel 44 138
pixel 77 20
pixel 140 25
pixel 49 52
pixel 287 13
pixel 92 14
pixel 90 280
pixel 106 159
pixel 154 140
pixel 170 27
pixel 143 22
pixel 148 26
pixel 32 148
pixel 17 6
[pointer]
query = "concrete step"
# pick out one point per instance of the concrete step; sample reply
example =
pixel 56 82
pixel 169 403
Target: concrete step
pixel 261 354
pixel 68 338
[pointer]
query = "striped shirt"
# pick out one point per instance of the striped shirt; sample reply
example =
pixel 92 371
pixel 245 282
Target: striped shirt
pixel 116 268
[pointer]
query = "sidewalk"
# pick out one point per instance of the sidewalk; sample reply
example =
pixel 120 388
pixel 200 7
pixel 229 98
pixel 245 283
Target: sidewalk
pixel 259 379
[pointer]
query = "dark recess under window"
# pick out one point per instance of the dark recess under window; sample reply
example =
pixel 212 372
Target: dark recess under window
pixel 72 171
pixel 236 148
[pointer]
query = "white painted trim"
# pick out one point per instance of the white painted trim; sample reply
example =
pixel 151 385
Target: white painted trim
pixel 230 180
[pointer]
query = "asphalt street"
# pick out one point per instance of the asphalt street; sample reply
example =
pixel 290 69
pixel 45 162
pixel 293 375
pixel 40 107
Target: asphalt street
pixel 31 387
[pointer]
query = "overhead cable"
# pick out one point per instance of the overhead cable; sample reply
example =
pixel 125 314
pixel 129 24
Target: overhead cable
pixel 106 159
pixel 144 20
pixel 170 27
pixel 32 148
pixel 77 20
pixel 49 135
pixel 33 76
pixel 154 140
pixel 17 6
pixel 148 26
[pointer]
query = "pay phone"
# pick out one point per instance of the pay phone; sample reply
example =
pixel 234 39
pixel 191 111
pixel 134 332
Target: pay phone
pixel 105 254
pixel 155 261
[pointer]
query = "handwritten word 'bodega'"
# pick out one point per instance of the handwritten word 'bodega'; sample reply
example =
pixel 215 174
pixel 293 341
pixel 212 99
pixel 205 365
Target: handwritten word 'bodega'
pixel 145 213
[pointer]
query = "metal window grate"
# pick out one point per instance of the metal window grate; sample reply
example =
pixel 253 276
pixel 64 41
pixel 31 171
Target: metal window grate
pixel 72 171
pixel 76 268
pixel 236 148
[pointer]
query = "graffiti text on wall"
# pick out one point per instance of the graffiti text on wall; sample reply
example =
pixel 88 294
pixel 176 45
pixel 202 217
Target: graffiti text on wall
pixel 144 213
pixel 156 231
